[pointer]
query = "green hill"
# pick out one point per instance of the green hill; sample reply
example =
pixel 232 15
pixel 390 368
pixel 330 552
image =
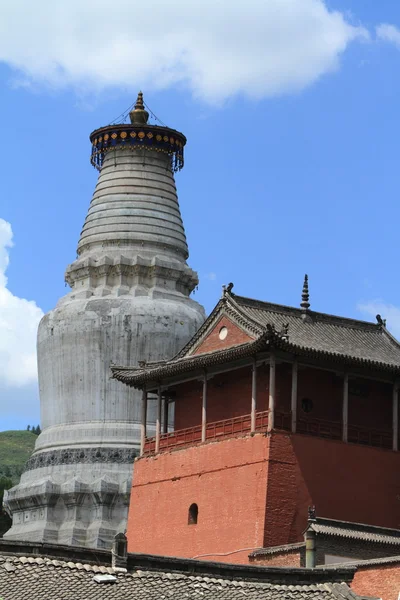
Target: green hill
pixel 15 449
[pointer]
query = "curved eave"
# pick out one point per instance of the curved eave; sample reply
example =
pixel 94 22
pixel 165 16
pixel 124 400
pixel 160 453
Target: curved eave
pixel 137 127
pixel 138 378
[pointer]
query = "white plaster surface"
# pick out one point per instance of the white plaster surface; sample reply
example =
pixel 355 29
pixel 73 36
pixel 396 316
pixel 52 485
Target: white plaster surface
pixel 129 302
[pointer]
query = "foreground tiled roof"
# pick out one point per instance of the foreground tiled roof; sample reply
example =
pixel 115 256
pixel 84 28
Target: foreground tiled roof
pixel 34 577
pixel 310 334
pixel 355 531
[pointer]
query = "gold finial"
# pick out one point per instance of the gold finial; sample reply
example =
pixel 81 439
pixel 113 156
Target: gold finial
pixel 139 116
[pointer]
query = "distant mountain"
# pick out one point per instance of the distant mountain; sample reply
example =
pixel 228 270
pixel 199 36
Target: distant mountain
pixel 15 449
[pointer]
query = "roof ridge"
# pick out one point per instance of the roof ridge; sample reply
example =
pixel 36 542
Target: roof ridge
pixel 345 321
pixel 337 522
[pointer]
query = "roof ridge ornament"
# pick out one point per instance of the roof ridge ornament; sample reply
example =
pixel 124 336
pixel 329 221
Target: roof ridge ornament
pixel 305 296
pixel 227 290
pixel 305 301
pixel 312 513
pixel 139 115
pixel 381 322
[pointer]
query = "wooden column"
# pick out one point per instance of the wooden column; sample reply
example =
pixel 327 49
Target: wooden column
pixel 271 404
pixel 158 420
pixel 204 409
pixel 143 421
pixel 345 408
pixel 165 415
pixel 395 414
pixel 294 396
pixel 253 395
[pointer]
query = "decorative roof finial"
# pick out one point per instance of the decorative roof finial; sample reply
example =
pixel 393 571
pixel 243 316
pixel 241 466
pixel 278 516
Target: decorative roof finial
pixel 381 322
pixel 139 116
pixel 305 296
pixel 227 290
pixel 312 513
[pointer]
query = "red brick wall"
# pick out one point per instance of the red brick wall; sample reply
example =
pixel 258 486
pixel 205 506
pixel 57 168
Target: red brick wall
pixel 235 337
pixel 254 491
pixel 344 481
pixel 228 482
pixel 380 581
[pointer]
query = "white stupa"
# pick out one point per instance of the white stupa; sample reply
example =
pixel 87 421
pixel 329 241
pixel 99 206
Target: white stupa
pixel 129 301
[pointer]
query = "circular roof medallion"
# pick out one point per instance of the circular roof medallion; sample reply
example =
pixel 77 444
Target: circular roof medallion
pixel 223 332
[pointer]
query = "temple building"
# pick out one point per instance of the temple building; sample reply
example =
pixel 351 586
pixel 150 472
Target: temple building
pixel 276 409
pixel 129 302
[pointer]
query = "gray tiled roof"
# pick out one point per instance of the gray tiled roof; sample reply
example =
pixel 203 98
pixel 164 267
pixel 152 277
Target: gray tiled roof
pixel 326 333
pixel 285 548
pixel 355 531
pixel 311 334
pixel 44 578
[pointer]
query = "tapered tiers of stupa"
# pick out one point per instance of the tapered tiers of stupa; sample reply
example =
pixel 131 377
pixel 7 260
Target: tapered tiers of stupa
pixel 129 302
pixel 134 219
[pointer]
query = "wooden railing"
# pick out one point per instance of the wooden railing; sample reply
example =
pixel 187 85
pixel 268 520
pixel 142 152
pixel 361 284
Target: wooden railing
pixel 216 430
pixel 237 426
pixel 370 437
pixel 320 428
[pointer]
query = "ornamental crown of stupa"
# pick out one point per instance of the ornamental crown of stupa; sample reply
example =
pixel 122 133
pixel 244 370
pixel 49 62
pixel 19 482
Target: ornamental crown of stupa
pixel 138 134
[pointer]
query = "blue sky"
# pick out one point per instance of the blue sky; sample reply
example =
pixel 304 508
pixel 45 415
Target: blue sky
pixel 291 162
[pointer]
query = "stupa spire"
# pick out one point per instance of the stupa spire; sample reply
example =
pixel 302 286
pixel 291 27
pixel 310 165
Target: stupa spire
pixel 139 115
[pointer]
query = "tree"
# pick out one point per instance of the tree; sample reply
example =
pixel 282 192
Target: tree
pixel 28 428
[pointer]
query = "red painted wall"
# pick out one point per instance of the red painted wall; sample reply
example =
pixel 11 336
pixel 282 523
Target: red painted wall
pixel 228 482
pixel 254 491
pixel 235 337
pixel 380 581
pixel 228 395
pixel 325 389
pixel 344 481
pixel 373 410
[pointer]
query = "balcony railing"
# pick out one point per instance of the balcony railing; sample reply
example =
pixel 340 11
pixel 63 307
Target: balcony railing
pixel 216 430
pixel 237 426
pixel 320 428
pixel 370 437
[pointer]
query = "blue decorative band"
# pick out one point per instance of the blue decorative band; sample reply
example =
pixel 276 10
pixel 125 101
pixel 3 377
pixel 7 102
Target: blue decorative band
pixel 160 139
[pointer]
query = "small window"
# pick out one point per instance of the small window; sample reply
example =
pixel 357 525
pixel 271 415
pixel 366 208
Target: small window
pixel 193 514
pixel 307 405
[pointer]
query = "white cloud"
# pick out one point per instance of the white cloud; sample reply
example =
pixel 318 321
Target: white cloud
pixel 215 48
pixel 19 319
pixel 211 276
pixel 387 311
pixel 388 33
